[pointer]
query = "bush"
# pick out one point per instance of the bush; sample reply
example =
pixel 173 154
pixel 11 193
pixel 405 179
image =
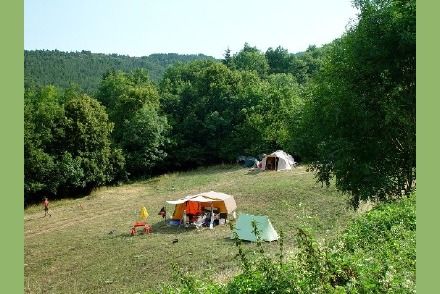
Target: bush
pixel 376 254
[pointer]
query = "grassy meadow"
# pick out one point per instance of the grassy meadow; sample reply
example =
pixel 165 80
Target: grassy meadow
pixel 86 246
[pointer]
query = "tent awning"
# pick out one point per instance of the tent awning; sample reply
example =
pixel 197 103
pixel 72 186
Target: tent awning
pixel 210 196
pixel 176 201
pixel 200 198
pixel 181 200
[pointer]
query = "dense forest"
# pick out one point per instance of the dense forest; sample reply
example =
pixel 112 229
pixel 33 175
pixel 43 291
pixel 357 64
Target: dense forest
pixel 85 69
pixel 347 108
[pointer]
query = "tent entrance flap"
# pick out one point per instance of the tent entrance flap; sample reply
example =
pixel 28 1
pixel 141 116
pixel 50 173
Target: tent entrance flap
pixel 271 163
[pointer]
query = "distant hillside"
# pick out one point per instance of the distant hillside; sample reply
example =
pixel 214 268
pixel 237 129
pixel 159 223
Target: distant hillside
pixel 44 67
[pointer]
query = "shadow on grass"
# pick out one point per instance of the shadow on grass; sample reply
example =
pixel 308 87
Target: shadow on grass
pixel 157 228
pixel 166 228
pixel 164 232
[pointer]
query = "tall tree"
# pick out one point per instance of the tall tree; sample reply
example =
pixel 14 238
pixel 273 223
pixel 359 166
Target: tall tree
pixel 124 94
pixel 363 107
pixel 88 142
pixel 270 119
pixel 278 60
pixel 132 102
pixel 200 100
pixel 43 134
pixel 144 138
pixel 228 59
pixel 66 144
pixel 251 59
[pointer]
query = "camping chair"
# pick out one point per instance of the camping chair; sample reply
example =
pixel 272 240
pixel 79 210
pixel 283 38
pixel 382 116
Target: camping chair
pixel 140 224
pixel 200 221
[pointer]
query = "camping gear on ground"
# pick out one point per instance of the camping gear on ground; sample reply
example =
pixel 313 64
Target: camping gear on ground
pixel 244 228
pixel 191 207
pixel 144 213
pixel 278 160
pixel 163 212
pixel 248 161
pixel 200 221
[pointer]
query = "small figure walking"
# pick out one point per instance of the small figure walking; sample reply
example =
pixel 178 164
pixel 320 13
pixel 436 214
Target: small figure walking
pixel 46 207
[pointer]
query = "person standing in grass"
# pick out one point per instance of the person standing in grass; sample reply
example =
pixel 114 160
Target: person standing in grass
pixel 46 207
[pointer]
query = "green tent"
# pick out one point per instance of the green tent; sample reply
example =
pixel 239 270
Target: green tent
pixel 244 229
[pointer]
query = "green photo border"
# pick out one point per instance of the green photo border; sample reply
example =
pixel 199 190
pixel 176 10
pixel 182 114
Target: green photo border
pixel 427 145
pixel 11 124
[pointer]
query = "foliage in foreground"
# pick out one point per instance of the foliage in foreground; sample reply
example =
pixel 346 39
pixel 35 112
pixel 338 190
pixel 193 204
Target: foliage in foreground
pixel 376 254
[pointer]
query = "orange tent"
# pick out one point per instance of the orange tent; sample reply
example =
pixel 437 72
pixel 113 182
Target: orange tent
pixel 193 204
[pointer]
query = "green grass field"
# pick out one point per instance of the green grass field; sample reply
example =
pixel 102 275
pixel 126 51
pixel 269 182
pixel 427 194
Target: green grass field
pixel 73 252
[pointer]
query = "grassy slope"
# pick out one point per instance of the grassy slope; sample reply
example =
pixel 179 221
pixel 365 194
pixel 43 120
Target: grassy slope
pixel 73 252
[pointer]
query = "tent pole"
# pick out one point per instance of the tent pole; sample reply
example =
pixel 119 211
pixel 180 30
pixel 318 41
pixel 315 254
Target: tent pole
pixel 211 225
pixel 165 216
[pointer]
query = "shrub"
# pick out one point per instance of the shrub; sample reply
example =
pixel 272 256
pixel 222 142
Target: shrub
pixel 376 254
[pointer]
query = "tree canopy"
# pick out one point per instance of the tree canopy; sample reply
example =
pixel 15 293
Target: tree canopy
pixel 362 110
pixel 85 69
pixel 347 108
pixel 67 144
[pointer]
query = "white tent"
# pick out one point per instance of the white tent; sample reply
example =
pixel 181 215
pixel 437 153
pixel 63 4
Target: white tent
pixel 279 160
pixel 244 229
